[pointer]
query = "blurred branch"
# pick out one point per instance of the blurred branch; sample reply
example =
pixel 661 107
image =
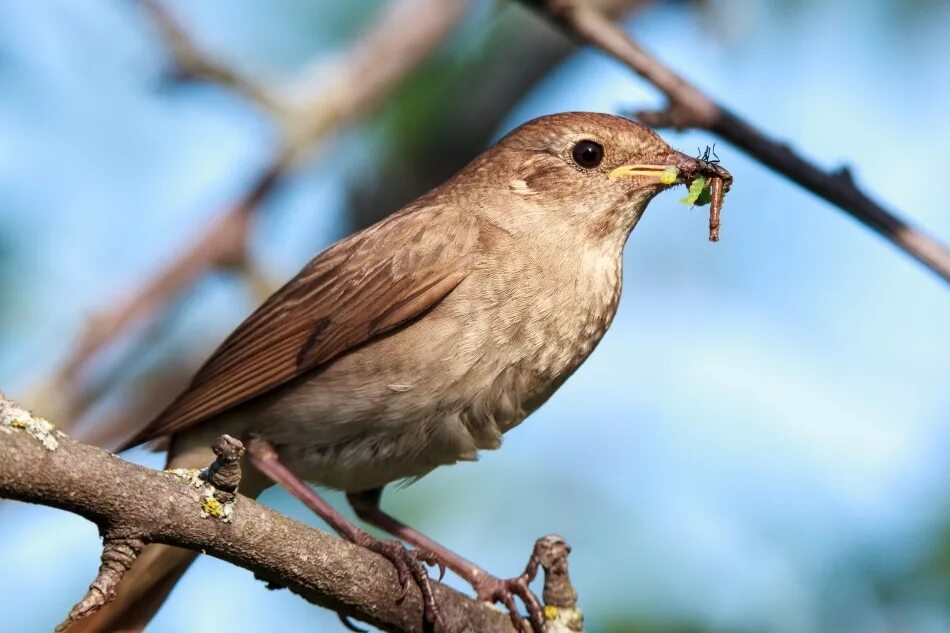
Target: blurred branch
pixel 193 63
pixel 688 107
pixel 143 397
pixel 134 506
pixel 328 95
pixel 405 34
pixel 403 37
pixel 222 244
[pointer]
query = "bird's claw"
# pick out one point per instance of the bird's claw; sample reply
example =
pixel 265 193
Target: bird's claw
pixel 491 589
pixel 345 619
pixel 411 568
pixel 430 559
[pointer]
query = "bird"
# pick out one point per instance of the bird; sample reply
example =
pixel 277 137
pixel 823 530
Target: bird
pixel 421 340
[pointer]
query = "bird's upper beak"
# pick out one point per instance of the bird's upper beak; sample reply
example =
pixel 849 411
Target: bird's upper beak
pixel 674 168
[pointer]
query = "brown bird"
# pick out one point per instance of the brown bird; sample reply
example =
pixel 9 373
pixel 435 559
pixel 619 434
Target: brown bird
pixel 419 341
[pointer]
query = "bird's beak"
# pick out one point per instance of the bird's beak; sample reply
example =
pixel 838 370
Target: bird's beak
pixel 674 168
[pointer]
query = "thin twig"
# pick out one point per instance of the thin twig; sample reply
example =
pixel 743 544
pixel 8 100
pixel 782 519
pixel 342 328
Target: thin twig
pixel 688 107
pixel 118 555
pixel 191 62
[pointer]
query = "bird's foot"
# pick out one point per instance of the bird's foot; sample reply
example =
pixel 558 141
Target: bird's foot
pixel 411 568
pixel 492 589
pixel 410 565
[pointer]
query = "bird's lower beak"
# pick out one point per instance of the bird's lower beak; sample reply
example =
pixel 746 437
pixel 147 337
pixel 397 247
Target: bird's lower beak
pixel 674 168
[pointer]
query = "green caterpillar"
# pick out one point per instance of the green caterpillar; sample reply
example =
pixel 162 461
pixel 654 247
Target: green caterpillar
pixel 699 194
pixel 669 175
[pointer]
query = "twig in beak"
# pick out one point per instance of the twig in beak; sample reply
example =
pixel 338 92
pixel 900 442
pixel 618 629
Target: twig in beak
pixel 715 207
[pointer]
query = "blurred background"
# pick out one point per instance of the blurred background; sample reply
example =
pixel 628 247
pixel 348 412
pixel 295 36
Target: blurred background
pixel 759 443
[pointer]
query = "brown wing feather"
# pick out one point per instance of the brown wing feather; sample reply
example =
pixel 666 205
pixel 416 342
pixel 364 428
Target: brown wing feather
pixel 356 290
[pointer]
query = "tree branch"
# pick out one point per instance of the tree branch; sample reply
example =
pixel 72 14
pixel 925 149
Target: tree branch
pixel 688 107
pixel 133 506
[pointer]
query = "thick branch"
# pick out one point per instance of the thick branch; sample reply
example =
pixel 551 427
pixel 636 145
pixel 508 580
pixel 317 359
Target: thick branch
pixel 132 504
pixel 691 108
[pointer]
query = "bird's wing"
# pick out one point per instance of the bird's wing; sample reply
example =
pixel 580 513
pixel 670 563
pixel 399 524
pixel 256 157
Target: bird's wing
pixel 354 291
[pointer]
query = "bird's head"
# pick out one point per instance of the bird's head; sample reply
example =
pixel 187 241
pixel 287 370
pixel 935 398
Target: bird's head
pixel 598 171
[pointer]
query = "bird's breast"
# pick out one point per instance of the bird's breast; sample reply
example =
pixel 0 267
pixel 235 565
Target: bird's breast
pixel 575 313
pixel 547 315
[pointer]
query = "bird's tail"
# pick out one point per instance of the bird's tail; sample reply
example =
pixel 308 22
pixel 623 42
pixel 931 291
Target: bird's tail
pixel 153 575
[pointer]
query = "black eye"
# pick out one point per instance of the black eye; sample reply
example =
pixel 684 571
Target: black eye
pixel 588 154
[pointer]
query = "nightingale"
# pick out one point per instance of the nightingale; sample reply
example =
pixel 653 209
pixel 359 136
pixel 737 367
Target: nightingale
pixel 419 341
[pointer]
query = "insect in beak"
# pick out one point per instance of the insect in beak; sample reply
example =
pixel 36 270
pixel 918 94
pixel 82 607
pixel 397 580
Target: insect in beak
pixel 707 181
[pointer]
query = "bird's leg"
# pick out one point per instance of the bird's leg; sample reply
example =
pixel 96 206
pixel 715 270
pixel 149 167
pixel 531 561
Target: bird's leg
pixel 410 566
pixel 487 587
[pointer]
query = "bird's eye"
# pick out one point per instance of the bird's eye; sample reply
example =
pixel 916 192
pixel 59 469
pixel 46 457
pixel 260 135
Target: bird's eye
pixel 588 154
